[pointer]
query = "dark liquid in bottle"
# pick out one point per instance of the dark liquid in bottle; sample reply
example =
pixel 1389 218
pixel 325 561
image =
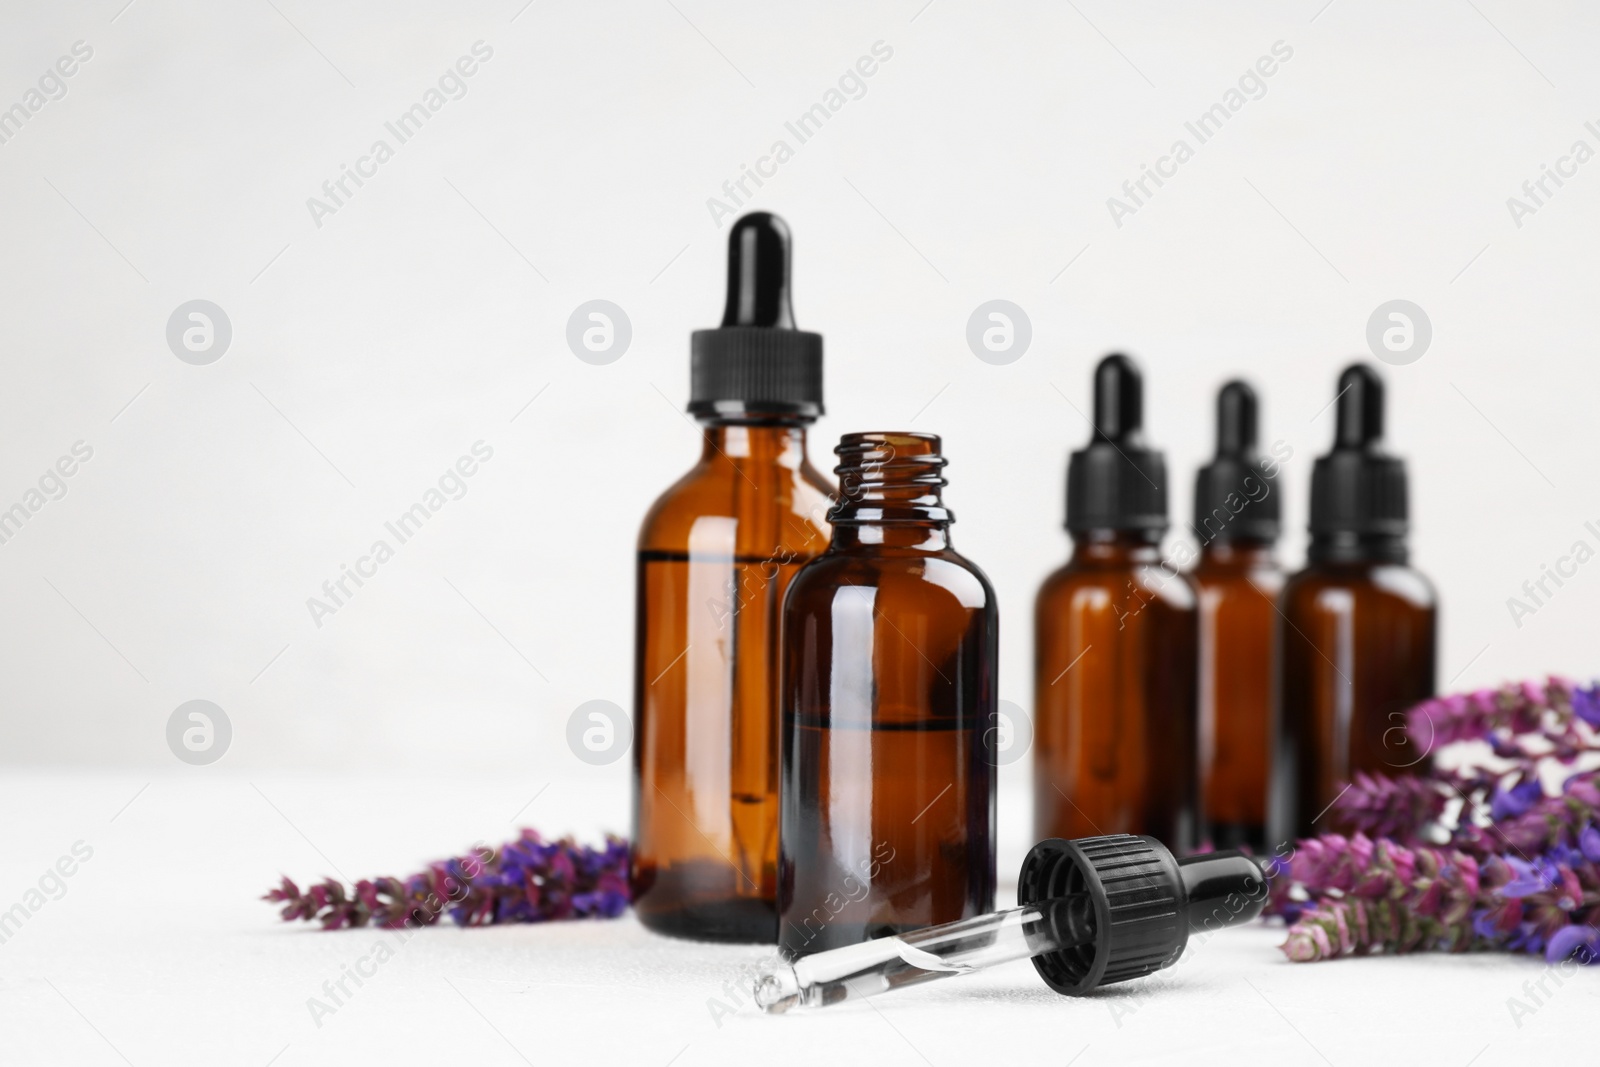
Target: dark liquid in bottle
pixel 709 802
pixel 893 833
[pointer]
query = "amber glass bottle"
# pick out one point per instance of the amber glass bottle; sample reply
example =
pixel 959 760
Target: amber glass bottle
pixel 1114 649
pixel 716 554
pixel 1357 629
pixel 890 642
pixel 1236 519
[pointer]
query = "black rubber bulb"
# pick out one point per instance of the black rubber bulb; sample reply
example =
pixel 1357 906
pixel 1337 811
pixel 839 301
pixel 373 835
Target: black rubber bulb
pixel 1360 417
pixel 1236 421
pixel 1118 400
pixel 758 273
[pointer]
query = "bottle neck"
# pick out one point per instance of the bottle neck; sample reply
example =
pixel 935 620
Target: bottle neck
pixel 891 493
pixel 910 536
pixel 776 443
pixel 1349 547
pixel 1112 547
pixel 1237 552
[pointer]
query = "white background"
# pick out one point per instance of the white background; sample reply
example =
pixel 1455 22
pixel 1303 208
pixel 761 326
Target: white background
pixel 372 351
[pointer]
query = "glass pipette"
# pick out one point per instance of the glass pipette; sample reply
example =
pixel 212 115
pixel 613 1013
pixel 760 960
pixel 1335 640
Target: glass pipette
pixel 1094 911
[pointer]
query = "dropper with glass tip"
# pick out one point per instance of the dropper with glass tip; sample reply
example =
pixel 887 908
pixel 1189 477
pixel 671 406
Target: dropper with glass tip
pixel 1092 912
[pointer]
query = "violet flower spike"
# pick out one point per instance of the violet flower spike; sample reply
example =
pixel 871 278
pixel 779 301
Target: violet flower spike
pixel 525 880
pixel 1510 868
pixel 1366 896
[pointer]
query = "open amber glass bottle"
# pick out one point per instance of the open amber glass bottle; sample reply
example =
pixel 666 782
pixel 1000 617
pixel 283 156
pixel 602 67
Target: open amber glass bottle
pixel 890 647
pixel 716 553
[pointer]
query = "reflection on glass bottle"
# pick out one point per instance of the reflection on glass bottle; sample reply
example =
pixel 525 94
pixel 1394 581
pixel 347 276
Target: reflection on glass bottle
pixel 890 645
pixel 1358 626
pixel 1115 633
pixel 716 553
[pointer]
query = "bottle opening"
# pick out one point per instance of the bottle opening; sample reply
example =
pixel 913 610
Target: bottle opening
pixel 890 477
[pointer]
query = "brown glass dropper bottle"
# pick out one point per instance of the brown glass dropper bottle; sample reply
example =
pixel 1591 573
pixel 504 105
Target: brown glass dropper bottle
pixel 716 554
pixel 1357 629
pixel 1236 519
pixel 1115 632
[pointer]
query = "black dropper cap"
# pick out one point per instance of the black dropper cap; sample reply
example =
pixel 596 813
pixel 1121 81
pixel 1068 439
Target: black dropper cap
pixel 1233 499
pixel 1123 907
pixel 1359 508
pixel 1117 482
pixel 756 364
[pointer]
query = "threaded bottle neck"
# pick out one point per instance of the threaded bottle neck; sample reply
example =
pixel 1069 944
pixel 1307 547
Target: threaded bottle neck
pixel 889 478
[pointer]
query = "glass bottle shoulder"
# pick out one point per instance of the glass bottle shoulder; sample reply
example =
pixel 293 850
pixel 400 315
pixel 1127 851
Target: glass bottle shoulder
pixel 939 578
pixel 1223 574
pixel 1154 581
pixel 714 489
pixel 1397 583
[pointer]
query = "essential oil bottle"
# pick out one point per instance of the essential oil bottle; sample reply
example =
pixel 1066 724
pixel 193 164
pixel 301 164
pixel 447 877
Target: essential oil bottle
pixel 716 553
pixel 1236 519
pixel 889 658
pixel 1357 629
pixel 1114 651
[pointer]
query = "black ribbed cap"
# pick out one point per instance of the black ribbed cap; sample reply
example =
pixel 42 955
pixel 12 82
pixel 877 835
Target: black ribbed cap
pixel 757 362
pixel 1232 497
pixel 1123 908
pixel 1117 482
pixel 1359 506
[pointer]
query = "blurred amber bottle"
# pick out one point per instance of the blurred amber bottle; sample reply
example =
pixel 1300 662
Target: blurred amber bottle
pixel 1357 629
pixel 1236 519
pixel 890 646
pixel 716 553
pixel 1115 637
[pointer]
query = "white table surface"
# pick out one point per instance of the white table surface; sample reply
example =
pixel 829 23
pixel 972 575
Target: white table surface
pixel 158 952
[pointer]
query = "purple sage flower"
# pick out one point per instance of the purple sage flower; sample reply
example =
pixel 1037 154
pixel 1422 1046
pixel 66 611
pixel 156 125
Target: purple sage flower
pixel 1508 803
pixel 1589 843
pixel 1586 705
pixel 525 880
pixel 1582 940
